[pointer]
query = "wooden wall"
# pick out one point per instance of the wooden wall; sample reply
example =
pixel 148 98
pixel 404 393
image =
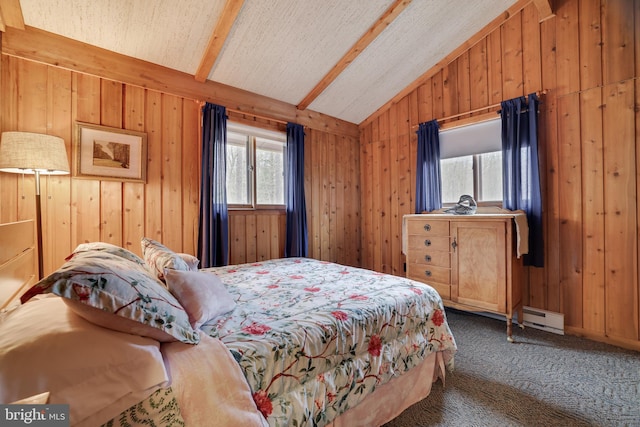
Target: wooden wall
pixel 50 98
pixel 332 197
pixel 587 59
pixel 46 99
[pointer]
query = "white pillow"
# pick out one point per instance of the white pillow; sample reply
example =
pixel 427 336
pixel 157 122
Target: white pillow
pixel 202 295
pixel 44 346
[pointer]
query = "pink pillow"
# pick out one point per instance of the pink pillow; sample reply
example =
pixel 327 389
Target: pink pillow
pixel 203 296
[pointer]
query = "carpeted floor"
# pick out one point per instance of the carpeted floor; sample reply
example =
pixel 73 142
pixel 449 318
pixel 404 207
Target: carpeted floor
pixel 542 379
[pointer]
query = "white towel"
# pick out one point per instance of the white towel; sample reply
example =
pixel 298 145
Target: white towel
pixel 522 232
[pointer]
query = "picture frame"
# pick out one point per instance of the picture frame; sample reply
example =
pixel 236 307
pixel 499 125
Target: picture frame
pixel 108 153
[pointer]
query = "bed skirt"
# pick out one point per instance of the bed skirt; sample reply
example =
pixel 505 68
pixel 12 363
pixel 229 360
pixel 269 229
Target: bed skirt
pixel 391 399
pixel 185 405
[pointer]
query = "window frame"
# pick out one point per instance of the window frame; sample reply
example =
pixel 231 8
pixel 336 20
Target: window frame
pixel 252 134
pixel 475 154
pixel 477 183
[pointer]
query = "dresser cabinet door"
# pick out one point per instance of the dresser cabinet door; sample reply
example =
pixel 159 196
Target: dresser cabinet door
pixel 479 264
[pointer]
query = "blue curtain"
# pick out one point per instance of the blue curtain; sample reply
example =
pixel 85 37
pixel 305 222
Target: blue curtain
pixel 520 169
pixel 428 178
pixel 296 244
pixel 213 232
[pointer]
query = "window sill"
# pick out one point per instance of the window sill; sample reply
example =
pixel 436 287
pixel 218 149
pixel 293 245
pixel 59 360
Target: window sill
pixel 258 210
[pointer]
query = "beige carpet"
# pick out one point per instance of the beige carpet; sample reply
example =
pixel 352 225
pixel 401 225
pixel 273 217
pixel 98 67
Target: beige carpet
pixel 542 379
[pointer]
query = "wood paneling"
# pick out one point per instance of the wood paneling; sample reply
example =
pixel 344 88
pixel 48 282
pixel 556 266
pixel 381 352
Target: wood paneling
pixel 171 141
pixel 153 187
pixel 512 75
pixel 191 161
pixel 620 184
pixel 593 212
pixel 111 202
pixel 56 197
pixel 589 26
pixel 548 293
pixel 585 59
pixel 256 236
pixel 619 35
pixel 570 210
pixel 85 210
pixel 85 193
pixel 531 58
pixel 133 209
pixel 48 99
pixel 568 48
pixel 478 75
pixel 332 196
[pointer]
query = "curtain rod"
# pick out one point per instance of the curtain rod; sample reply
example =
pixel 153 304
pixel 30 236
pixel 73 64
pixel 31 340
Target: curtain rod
pixel 246 113
pixel 488 107
pixel 257 116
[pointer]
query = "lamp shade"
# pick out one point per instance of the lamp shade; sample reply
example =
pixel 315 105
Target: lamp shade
pixel 26 152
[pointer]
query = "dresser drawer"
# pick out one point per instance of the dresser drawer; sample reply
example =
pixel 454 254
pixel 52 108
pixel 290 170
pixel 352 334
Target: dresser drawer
pixel 429 273
pixel 429 257
pixel 427 227
pixel 429 243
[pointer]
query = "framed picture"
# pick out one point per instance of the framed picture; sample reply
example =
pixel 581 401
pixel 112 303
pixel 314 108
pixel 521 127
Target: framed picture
pixel 109 153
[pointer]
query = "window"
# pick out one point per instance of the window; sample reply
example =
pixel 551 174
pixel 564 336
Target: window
pixel 255 167
pixel 471 162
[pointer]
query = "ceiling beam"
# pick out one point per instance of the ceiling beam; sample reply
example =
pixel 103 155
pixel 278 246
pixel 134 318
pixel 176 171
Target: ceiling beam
pixel 218 37
pixel 11 15
pixel 545 9
pixel 369 36
pixel 48 48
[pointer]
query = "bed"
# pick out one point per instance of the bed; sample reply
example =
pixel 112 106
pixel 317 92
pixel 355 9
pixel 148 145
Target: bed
pixel 157 341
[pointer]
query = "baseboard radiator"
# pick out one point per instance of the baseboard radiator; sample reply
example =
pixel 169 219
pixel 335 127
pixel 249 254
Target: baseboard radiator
pixel 545 320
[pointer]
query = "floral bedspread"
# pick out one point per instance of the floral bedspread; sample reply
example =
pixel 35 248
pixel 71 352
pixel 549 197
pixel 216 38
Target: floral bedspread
pixel 314 338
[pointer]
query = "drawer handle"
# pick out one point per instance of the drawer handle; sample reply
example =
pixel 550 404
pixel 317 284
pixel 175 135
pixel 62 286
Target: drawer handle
pixel 427 227
pixel 427 258
pixel 454 245
pixel 427 242
pixel 427 273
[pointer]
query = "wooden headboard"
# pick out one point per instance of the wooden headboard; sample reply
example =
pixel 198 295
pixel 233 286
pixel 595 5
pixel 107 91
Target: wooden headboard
pixel 18 266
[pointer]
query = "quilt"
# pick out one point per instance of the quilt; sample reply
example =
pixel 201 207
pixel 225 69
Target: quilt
pixel 314 338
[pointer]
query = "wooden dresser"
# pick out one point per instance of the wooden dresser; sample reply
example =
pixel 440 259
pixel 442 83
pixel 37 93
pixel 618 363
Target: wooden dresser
pixel 18 261
pixel 471 260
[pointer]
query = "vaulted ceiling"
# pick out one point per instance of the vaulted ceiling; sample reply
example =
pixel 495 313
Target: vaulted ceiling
pixel 343 58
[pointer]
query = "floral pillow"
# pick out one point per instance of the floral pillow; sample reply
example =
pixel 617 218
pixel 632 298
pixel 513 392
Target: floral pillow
pixel 116 293
pixel 109 248
pixel 158 257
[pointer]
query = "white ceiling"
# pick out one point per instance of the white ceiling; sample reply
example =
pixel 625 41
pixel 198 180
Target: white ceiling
pixel 279 48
